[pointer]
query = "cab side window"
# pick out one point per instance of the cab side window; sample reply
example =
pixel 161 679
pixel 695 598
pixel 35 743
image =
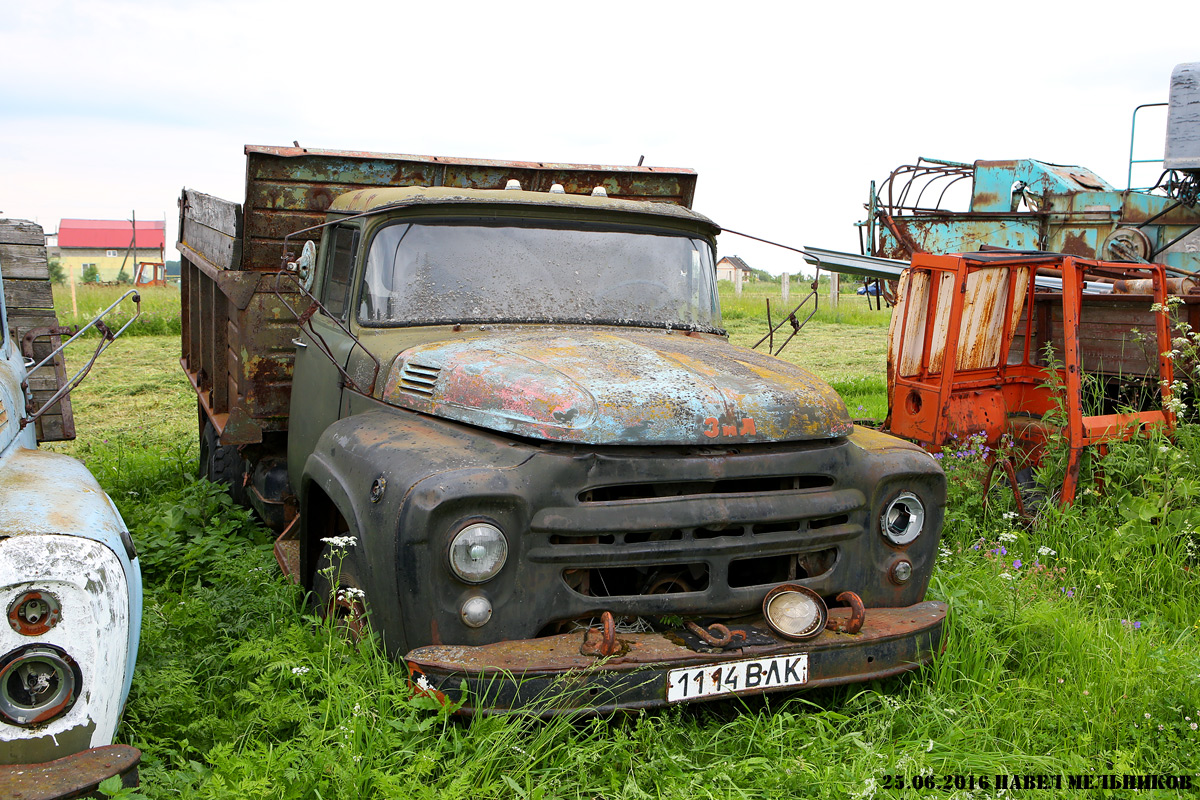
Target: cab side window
pixel 339 270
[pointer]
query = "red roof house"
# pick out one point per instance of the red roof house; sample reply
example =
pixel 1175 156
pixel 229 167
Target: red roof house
pixel 108 234
pixel 98 249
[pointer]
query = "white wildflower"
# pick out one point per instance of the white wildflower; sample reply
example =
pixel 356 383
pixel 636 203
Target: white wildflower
pixel 1046 551
pixel 340 541
pixel 299 670
pixel 1006 576
pixel 1007 536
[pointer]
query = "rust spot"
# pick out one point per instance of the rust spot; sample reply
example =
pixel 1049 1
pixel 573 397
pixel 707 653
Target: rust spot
pixel 1076 245
pixel 33 613
pixel 75 775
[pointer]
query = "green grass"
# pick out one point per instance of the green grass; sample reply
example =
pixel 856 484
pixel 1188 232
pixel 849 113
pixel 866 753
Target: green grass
pixel 1067 663
pixel 160 308
pixel 846 347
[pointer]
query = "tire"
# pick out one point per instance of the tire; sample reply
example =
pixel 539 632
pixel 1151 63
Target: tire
pixel 221 463
pixel 338 594
pixel 1034 496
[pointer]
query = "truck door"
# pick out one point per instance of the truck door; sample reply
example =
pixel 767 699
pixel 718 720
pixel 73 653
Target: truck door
pixel 316 380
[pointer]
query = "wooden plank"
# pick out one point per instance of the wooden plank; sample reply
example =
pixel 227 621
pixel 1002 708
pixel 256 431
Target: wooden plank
pixel 21 231
pixel 24 261
pixel 51 378
pixel 52 428
pixel 25 318
pixel 30 303
pixel 222 250
pixel 212 212
pixel 41 381
pixel 20 294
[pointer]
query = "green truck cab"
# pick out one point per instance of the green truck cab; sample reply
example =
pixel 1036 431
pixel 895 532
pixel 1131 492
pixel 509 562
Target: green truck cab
pixel 557 485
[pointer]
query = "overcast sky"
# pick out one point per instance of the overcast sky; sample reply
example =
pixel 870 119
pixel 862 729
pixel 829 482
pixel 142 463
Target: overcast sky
pixel 786 113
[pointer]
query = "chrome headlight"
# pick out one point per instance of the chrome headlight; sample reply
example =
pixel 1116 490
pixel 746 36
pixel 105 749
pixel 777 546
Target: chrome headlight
pixel 478 552
pixel 903 518
pixel 795 612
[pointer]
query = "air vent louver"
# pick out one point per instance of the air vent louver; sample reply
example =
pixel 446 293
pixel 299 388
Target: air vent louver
pixel 418 378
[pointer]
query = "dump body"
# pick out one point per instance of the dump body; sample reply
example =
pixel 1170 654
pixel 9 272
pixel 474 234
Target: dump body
pixel 70 586
pixel 535 377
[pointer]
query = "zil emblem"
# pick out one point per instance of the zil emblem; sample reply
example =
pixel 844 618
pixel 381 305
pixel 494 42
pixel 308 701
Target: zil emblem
pixel 714 428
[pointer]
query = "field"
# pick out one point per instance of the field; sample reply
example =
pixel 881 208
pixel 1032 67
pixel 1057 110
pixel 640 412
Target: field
pixel 1072 646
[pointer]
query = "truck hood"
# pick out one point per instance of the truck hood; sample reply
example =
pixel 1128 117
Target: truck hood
pixel 616 387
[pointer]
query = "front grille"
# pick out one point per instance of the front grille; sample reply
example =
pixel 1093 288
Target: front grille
pixel 418 378
pixel 710 553
pixel 647 491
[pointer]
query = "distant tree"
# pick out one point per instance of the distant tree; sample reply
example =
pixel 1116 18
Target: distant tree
pixel 760 275
pixel 123 276
pixel 57 274
pixel 91 273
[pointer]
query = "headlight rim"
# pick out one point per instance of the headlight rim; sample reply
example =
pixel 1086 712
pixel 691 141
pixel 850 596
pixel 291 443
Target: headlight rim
pixel 64 698
pixel 461 529
pixel 913 530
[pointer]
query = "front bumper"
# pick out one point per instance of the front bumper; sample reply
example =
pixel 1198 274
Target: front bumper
pixel 76 775
pixel 549 675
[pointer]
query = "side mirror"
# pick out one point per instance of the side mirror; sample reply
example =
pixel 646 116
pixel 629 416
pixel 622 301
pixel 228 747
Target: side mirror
pixel 304 266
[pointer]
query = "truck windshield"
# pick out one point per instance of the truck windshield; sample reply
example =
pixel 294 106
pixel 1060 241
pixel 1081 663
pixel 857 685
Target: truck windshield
pixel 447 272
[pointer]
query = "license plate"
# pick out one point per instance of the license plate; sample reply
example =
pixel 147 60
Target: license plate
pixel 737 676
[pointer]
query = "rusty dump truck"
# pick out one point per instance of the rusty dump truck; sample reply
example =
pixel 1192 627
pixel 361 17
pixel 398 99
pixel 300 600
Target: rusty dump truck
pixel 491 405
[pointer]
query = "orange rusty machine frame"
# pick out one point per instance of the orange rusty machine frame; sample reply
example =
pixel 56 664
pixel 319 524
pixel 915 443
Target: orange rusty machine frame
pixel 994 383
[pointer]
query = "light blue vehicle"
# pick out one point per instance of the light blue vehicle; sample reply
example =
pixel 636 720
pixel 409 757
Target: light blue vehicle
pixel 1025 204
pixel 71 592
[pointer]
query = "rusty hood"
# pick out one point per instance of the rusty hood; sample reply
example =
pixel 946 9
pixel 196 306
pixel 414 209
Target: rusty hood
pixel 616 386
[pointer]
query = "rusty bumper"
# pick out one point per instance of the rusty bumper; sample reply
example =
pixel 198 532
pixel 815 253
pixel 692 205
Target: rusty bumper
pixel 76 775
pixel 550 675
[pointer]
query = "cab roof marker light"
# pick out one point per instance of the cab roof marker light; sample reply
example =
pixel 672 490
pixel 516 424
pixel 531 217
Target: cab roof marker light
pixel 513 185
pixel 557 189
pixel 599 192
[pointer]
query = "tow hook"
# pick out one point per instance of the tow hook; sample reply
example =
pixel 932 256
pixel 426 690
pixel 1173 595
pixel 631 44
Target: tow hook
pixel 607 644
pixel 717 634
pixel 858 614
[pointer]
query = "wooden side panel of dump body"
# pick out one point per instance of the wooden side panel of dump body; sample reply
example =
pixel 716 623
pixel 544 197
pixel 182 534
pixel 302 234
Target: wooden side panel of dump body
pixel 237 332
pixel 30 303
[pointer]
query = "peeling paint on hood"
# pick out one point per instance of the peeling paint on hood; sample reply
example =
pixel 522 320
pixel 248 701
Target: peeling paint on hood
pixel 616 386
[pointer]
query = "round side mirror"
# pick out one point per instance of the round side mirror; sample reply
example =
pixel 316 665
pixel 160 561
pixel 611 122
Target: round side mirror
pixel 305 265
